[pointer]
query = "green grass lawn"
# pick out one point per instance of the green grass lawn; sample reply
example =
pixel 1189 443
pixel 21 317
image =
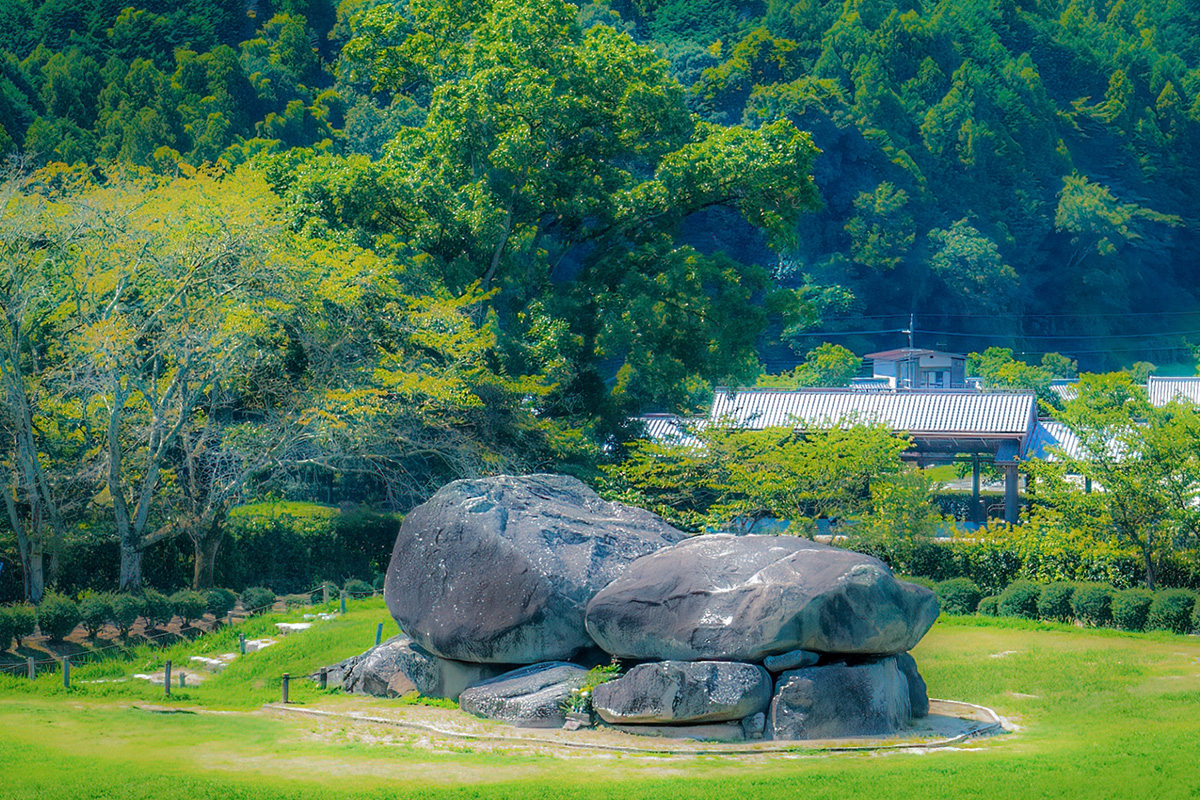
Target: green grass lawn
pixel 1101 714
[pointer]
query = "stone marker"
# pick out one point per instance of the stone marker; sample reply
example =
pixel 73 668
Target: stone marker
pixel 839 700
pixel 743 598
pixel 530 697
pixel 674 692
pixel 500 570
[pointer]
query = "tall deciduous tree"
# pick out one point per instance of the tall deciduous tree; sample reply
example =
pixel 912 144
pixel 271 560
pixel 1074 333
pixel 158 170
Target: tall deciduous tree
pixel 179 294
pixel 40 446
pixel 556 165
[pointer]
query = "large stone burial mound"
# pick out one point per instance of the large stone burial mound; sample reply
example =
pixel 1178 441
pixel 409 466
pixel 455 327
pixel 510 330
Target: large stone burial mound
pixel 742 598
pixel 500 570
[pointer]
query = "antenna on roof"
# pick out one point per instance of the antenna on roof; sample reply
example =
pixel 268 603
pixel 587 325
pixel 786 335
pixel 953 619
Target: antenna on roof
pixel 909 330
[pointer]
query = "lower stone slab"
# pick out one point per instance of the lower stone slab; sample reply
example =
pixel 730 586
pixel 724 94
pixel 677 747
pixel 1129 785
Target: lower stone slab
pixel 713 732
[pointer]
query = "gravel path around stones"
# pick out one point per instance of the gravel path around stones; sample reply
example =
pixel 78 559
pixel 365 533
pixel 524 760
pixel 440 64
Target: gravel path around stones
pixel 949 723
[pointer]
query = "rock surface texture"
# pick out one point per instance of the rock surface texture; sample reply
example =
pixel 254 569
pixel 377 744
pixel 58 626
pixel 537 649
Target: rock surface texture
pixel 918 693
pixel 671 692
pixel 839 700
pixel 500 570
pixel 742 598
pixel 530 697
pixel 399 666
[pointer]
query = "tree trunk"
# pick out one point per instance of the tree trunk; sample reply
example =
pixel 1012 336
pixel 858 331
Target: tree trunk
pixel 207 545
pixel 131 567
pixel 1148 559
pixel 32 559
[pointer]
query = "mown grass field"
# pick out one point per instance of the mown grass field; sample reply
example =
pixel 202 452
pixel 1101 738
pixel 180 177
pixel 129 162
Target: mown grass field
pixel 1101 714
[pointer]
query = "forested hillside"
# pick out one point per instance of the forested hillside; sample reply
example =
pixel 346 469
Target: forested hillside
pixel 995 167
pixel 354 250
pixel 999 168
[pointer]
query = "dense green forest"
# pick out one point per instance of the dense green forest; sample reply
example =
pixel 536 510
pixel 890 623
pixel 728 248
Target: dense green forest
pixel 308 250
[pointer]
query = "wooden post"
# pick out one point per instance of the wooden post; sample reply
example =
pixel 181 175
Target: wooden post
pixel 325 593
pixel 31 668
pixel 66 672
pixel 182 680
pixel 242 643
pixel 323 678
pixel 286 679
pixel 167 679
pixel 378 634
pixel 343 596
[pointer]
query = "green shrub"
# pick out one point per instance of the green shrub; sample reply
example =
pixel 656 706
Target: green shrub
pixel 126 610
pixel 926 582
pixel 7 627
pixel 219 602
pixel 188 605
pixel 24 619
pixel 378 583
pixel 1055 602
pixel 1131 609
pixel 257 599
pixel 988 606
pixel 357 588
pixel 96 611
pixel 1172 611
pixel 157 608
pixel 958 595
pixel 1092 603
pixel 57 616
pixel 1196 617
pixel 1020 599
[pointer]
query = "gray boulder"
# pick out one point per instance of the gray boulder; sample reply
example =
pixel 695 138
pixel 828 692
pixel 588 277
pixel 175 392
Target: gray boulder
pixel 838 700
pixel 530 697
pixel 399 666
pixel 673 692
pixel 918 693
pixel 742 598
pixel 792 659
pixel 500 570
pixel 754 726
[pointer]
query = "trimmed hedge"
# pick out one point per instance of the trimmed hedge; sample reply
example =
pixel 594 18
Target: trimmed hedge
pixel 1092 604
pixel 57 616
pixel 1055 602
pixel 24 619
pixel 189 605
pixel 1172 611
pixel 96 611
pixel 1020 599
pixel 257 599
pixel 357 588
pixel 959 595
pixel 126 610
pixel 1131 609
pixel 7 629
pixel 988 606
pixel 219 602
pixel 157 608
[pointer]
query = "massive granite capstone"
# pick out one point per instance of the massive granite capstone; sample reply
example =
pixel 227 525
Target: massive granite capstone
pixel 742 598
pixel 500 570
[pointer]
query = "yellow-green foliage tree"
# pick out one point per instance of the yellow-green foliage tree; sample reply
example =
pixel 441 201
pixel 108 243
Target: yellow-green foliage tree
pixel 1143 465
pixel 727 477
